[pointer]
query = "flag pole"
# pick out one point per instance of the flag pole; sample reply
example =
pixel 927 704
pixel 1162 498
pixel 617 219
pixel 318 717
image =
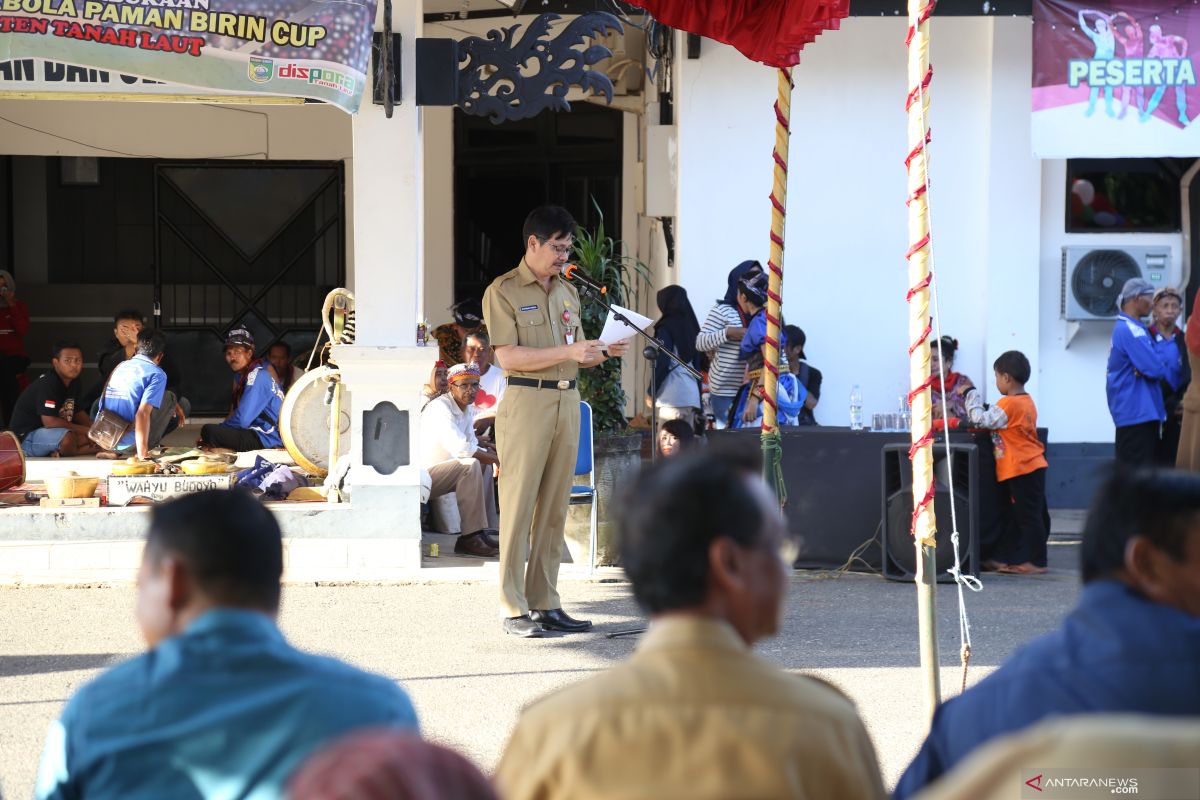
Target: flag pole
pixel 771 441
pixel 924 523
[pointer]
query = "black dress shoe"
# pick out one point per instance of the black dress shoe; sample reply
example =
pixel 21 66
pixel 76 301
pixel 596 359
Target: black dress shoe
pixel 473 544
pixel 491 536
pixel 557 620
pixel 523 627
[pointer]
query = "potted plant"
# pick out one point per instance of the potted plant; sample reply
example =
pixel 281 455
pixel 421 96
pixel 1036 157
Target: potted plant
pixel 617 448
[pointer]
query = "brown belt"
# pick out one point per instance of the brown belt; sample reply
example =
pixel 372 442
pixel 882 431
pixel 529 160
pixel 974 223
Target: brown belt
pixel 537 384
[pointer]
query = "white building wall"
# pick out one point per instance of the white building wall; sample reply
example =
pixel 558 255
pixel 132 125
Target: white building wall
pixel 1073 401
pixel 844 271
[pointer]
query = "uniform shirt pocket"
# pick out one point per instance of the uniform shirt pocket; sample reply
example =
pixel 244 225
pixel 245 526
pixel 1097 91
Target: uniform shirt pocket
pixel 528 319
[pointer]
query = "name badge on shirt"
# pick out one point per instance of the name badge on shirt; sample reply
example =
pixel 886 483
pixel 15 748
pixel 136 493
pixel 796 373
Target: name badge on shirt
pixel 529 308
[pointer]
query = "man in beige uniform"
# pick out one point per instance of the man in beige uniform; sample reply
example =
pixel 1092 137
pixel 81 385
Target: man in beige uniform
pixel 695 713
pixel 536 327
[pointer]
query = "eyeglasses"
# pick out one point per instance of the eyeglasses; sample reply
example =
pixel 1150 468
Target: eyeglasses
pixel 559 249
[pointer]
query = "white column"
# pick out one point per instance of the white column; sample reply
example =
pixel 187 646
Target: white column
pixel 386 252
pixel 1013 208
pixel 387 189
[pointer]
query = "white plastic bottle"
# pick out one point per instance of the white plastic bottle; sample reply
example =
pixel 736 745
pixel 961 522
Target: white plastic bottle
pixel 856 422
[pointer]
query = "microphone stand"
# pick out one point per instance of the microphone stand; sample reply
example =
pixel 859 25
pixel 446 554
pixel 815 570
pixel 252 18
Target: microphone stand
pixel 658 346
pixel 617 315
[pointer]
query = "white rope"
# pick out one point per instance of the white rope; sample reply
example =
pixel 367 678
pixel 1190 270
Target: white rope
pixel 960 580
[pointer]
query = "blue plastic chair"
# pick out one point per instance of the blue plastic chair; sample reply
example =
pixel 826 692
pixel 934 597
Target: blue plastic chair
pixel 585 464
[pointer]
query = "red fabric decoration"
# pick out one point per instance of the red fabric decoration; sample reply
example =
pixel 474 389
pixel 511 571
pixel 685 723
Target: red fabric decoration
pixel 770 31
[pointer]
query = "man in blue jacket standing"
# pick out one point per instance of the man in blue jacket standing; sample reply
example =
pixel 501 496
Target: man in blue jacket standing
pixel 1135 369
pixel 253 422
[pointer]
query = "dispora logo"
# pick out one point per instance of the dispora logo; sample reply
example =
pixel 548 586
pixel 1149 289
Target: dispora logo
pixel 319 76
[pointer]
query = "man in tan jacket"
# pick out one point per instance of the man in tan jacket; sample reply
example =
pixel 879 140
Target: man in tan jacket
pixel 695 713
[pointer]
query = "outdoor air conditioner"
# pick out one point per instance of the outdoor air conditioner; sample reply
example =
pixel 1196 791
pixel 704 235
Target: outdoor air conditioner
pixel 1092 276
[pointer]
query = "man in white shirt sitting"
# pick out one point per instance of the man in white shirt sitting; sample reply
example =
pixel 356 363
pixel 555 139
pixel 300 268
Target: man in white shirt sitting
pixel 477 349
pixel 457 463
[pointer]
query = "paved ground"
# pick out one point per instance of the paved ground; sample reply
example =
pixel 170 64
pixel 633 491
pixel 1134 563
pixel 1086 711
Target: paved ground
pixel 443 644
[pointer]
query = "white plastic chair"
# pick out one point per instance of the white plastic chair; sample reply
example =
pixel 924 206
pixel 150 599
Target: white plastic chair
pixel 585 464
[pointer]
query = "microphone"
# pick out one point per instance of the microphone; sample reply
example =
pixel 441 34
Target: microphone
pixel 573 272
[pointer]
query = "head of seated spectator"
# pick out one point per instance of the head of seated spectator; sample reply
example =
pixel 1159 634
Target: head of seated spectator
pixel 438 384
pixel 253 423
pixel 206 551
pixel 701 539
pixel 1144 531
pixel 48 417
pixel 279 356
pixel 392 765
pixel 220 704
pixel 1130 645
pixel 127 324
pixel 675 436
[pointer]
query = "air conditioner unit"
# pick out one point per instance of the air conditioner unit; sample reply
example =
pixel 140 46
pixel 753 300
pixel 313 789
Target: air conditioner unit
pixel 1092 276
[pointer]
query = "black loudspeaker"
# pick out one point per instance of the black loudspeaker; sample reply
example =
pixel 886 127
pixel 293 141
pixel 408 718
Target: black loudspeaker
pixel 899 552
pixel 437 72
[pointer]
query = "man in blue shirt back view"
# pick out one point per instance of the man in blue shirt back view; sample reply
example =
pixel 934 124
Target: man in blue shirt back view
pixel 137 391
pixel 221 706
pixel 1130 645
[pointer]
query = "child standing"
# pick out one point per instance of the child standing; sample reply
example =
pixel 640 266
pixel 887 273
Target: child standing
pixel 1020 465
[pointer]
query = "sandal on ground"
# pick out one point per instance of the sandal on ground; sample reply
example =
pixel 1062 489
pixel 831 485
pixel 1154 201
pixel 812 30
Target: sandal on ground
pixel 992 565
pixel 1023 569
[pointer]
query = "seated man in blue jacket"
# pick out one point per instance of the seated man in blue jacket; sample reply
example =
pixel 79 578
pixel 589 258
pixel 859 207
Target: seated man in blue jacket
pixel 1135 370
pixel 1130 645
pixel 253 422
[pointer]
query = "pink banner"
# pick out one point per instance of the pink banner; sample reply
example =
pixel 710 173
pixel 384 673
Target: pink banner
pixel 1115 79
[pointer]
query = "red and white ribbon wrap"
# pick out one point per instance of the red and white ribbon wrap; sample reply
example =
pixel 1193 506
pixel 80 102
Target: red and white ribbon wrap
pixel 920 74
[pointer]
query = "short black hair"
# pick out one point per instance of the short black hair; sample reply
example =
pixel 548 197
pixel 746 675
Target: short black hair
pixel 479 336
pixel 1161 505
pixel 681 430
pixel 670 516
pixel 151 343
pixel 1014 364
pixel 64 344
pixel 229 542
pixel 547 222
pixel 281 343
pixel 128 314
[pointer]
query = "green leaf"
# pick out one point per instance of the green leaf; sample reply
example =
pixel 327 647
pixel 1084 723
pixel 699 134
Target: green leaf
pixel 607 263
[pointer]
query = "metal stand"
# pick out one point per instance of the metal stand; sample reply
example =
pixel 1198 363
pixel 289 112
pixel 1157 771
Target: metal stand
pixel 617 315
pixel 651 354
pixel 654 347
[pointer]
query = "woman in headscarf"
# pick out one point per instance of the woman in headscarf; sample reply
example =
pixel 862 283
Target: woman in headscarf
pixel 1188 455
pixel 14 324
pixel 675 392
pixel 719 338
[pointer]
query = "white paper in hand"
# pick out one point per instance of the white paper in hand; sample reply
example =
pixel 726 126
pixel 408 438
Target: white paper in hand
pixel 616 330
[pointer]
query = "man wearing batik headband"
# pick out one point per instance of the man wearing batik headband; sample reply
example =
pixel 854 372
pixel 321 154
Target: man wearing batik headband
pixel 457 463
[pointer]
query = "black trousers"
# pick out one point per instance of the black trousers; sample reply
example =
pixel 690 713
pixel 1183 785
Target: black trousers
pixel 1138 444
pixel 239 439
pixel 1029 520
pixel 1168 448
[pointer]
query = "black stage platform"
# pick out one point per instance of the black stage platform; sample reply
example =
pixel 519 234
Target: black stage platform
pixel 834 479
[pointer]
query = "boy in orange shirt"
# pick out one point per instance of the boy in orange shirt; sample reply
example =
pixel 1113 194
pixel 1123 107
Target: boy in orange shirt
pixel 1020 465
